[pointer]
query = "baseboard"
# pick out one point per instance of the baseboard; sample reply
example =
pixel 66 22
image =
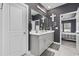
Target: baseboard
pixel 23 54
pixel 57 43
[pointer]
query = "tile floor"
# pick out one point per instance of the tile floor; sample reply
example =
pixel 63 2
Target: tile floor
pixel 50 51
pixel 66 51
pixel 71 44
pixel 67 48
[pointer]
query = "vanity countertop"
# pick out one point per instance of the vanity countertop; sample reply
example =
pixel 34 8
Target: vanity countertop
pixel 41 32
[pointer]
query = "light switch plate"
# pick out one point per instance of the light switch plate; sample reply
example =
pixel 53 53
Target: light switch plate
pixel 56 27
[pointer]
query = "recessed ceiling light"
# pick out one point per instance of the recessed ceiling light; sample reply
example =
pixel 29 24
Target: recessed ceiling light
pixel 49 7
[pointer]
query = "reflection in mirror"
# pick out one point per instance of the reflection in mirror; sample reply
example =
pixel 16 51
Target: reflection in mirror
pixel 35 15
pixel 37 22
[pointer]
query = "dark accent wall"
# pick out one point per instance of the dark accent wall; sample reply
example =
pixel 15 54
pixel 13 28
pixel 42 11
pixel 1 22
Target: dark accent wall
pixel 69 7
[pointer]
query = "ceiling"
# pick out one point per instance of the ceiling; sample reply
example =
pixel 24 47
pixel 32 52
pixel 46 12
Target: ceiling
pixel 49 6
pixel 33 12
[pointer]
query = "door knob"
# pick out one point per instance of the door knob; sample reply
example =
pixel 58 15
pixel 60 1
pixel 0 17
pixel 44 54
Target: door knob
pixel 24 32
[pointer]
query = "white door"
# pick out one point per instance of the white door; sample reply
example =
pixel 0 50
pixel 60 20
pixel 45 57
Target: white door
pixel 0 30
pixel 15 27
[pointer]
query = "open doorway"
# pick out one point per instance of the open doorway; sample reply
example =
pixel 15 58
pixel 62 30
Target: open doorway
pixel 68 29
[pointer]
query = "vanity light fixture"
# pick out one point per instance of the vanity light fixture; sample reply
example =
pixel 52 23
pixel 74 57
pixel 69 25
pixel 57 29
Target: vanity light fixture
pixel 41 8
pixel 49 7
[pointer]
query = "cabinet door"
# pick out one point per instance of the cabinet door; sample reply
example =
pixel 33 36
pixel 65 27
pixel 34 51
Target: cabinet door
pixel 34 44
pixel 51 37
pixel 47 43
pixel 41 45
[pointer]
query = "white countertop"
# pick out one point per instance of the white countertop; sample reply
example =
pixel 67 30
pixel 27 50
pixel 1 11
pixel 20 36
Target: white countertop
pixel 41 32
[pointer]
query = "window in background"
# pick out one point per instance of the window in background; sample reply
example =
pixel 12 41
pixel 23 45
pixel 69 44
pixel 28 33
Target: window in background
pixel 67 27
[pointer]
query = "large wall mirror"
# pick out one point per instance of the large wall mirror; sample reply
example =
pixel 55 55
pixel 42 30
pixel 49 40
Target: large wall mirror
pixel 37 20
pixel 35 15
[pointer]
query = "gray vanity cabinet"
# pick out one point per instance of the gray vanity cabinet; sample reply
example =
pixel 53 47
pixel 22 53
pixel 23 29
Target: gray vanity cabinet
pixel 39 43
pixel 42 46
pixel 34 44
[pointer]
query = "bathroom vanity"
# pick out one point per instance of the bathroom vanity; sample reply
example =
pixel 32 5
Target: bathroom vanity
pixel 41 41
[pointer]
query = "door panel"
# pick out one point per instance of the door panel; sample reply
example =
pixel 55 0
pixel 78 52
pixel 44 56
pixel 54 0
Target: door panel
pixel 0 32
pixel 17 40
pixel 16 23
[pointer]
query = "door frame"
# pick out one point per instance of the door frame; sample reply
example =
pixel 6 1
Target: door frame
pixel 27 37
pixel 60 30
pixel 61 25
